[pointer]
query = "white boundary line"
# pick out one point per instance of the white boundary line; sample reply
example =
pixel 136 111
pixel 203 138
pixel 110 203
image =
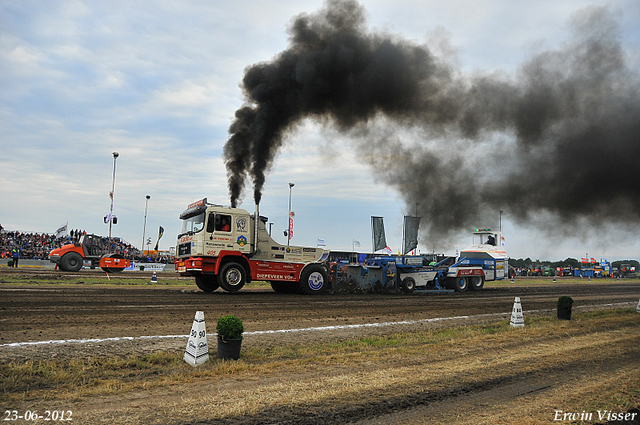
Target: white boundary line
pixel 314 329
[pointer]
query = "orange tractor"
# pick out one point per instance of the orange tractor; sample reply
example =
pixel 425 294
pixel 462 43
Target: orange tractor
pixel 91 248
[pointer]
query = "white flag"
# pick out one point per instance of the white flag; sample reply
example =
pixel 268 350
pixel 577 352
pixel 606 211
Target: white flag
pixel 62 231
pixel 356 243
pixel 321 242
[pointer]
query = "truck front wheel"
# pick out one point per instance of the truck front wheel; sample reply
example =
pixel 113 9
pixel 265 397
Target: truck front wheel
pixel 71 262
pixel 460 284
pixel 207 282
pixel 232 277
pixel 314 280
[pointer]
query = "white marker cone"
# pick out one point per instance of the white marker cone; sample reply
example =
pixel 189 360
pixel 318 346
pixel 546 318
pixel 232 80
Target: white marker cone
pixel 517 318
pixel 154 278
pixel 638 307
pixel 197 351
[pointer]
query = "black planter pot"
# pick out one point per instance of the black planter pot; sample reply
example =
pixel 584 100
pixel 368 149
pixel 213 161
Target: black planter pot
pixel 229 348
pixel 564 313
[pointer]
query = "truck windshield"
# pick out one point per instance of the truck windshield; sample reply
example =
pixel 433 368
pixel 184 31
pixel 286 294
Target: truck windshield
pixel 484 239
pixel 192 224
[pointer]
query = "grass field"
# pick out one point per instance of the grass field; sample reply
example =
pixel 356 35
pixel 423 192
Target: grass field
pixel 24 384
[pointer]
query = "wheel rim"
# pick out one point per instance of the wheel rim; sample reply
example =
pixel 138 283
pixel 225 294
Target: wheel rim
pixel 409 285
pixel 315 281
pixel 462 283
pixel 233 277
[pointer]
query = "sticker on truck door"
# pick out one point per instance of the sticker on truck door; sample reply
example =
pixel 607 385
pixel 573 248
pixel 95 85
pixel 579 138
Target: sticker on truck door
pixel 241 225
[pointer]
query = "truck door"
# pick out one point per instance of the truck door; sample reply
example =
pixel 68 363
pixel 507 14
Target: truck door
pixel 217 234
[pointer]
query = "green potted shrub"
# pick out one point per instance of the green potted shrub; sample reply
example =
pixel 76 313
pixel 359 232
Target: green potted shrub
pixel 229 329
pixel 564 307
pixel 10 263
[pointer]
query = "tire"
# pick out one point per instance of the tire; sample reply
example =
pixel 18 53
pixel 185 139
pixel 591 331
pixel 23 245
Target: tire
pixel 207 282
pixel 408 285
pixel 232 277
pixel 314 280
pixel 113 269
pixel 71 262
pixel 460 284
pixel 476 283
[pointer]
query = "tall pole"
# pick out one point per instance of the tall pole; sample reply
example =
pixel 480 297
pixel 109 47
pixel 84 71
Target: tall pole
pixel 416 248
pixel 290 218
pixel 113 188
pixel 501 221
pixel 144 228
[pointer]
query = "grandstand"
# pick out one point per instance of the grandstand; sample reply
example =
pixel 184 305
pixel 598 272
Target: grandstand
pixel 38 245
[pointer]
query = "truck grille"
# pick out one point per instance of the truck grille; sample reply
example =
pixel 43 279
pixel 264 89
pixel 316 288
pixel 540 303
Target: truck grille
pixel 184 249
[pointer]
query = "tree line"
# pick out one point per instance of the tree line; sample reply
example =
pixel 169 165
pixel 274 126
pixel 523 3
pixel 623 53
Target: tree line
pixel 528 263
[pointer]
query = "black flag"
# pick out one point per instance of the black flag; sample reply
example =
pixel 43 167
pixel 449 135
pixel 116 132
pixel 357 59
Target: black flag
pixel 160 233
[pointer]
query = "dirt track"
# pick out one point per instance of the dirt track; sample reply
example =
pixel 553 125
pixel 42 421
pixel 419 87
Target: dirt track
pixel 42 311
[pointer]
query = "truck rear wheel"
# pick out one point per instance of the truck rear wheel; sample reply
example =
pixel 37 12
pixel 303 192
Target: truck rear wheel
pixel 477 282
pixel 71 262
pixel 232 277
pixel 460 284
pixel 314 280
pixel 207 282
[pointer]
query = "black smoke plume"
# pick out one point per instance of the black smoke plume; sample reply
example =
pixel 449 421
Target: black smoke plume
pixel 560 139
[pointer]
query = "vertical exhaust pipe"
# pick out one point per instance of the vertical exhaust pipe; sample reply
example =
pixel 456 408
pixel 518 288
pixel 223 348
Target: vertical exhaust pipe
pixel 256 229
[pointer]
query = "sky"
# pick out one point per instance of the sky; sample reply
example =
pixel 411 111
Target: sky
pixel 159 82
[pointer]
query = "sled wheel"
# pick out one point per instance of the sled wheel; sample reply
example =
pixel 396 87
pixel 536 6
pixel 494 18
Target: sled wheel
pixel 477 283
pixel 408 285
pixel 460 284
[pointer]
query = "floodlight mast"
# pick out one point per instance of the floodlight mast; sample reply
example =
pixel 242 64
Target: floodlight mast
pixel 144 228
pixel 113 188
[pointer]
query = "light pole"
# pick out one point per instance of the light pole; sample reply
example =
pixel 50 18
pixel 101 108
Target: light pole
pixel 501 221
pixel 417 203
pixel 144 228
pixel 290 218
pixel 113 188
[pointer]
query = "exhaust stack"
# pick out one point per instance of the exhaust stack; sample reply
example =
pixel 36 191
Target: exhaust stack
pixel 256 230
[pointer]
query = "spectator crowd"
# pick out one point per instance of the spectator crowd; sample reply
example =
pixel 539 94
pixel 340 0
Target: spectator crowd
pixel 37 246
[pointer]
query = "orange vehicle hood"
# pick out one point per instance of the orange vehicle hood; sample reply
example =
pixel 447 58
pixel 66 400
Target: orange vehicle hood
pixel 59 252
